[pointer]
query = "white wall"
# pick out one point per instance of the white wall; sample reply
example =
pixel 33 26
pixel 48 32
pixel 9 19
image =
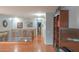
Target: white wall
pixel 12 22
pixel 49 28
pixel 25 21
pixel 2 18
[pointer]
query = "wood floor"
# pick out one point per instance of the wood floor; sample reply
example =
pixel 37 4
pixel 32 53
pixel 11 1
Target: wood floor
pixel 36 46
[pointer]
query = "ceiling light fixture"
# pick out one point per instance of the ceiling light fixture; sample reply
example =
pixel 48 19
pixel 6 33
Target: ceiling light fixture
pixel 39 14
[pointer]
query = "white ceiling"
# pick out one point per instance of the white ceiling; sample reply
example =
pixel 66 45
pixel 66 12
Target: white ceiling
pixel 25 11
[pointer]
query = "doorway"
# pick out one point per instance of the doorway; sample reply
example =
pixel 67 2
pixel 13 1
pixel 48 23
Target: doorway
pixel 39 28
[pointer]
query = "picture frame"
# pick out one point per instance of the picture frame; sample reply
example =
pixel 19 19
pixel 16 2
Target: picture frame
pixel 30 24
pixel 20 25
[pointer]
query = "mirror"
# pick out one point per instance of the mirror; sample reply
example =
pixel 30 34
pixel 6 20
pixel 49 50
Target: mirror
pixel 5 23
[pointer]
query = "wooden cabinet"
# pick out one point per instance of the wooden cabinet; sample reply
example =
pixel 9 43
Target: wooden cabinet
pixel 70 39
pixel 65 37
pixel 63 18
pixel 60 21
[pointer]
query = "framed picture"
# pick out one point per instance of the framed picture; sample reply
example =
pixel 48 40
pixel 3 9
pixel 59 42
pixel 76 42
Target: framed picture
pixel 30 24
pixel 20 25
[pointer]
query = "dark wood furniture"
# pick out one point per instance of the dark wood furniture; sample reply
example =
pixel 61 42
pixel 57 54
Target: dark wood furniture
pixel 70 39
pixel 65 37
pixel 60 21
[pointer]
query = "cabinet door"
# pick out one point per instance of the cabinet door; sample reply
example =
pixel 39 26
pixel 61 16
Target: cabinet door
pixel 64 18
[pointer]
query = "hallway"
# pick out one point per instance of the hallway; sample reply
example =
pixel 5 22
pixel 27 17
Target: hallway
pixel 20 27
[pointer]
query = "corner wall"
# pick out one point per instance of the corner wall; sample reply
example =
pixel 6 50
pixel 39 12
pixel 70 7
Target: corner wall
pixel 49 28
